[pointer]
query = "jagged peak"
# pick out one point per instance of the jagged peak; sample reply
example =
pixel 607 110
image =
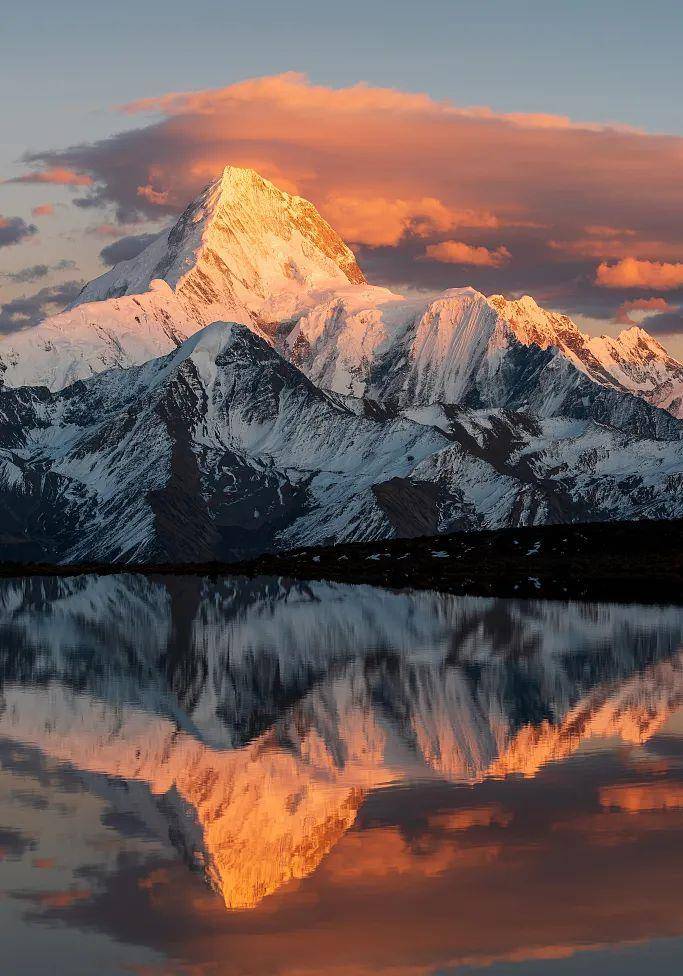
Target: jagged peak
pixel 235 175
pixel 241 181
pixel 462 292
pixel 288 211
pixel 527 305
pixel 524 301
pixel 636 334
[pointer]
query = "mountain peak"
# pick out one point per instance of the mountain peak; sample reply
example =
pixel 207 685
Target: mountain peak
pixel 636 335
pixel 236 181
pixel 243 250
pixel 240 174
pixel 535 325
pixel 240 178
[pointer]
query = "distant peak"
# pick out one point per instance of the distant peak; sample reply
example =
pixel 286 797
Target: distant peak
pixel 635 332
pixel 462 292
pixel 213 339
pixel 524 301
pixel 636 336
pixel 206 345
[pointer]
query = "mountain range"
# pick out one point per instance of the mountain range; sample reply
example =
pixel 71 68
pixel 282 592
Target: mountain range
pixel 239 386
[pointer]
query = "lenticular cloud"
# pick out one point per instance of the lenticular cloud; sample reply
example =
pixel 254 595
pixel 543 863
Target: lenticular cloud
pixel 559 196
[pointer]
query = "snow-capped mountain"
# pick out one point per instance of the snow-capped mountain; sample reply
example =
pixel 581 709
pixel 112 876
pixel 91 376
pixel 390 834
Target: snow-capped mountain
pixel 632 361
pixel 643 366
pixel 243 251
pixel 223 449
pixel 326 409
pixel 304 717
pixel 242 247
pixel 246 251
pixel 219 447
pixel 464 348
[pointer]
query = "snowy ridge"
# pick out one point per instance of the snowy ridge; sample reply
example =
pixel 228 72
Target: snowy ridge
pixel 94 337
pixel 223 449
pixel 643 366
pixel 246 251
pixel 461 347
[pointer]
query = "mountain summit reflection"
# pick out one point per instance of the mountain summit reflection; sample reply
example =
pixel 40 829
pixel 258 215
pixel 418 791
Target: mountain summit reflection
pixel 253 722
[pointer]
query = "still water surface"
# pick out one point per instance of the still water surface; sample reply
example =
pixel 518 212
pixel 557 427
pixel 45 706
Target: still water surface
pixel 268 777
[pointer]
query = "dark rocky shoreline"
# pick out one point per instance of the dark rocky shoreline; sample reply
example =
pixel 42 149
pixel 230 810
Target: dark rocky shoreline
pixel 615 561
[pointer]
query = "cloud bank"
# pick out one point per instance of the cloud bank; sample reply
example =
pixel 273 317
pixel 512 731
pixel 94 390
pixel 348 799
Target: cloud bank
pixel 13 230
pixel 21 313
pixel 578 214
pixel 55 175
pixel 632 273
pixel 37 271
pixel 125 248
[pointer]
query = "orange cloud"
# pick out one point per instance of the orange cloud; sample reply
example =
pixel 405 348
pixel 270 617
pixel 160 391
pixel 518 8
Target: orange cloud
pixel 57 175
pixel 374 221
pixel 364 142
pixel 377 221
pixel 43 210
pixel 156 197
pixel 623 316
pixel 614 246
pixel 457 252
pixel 390 169
pixel 633 273
pixel 292 89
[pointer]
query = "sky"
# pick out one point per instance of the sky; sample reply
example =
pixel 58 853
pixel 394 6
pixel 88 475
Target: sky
pixel 515 145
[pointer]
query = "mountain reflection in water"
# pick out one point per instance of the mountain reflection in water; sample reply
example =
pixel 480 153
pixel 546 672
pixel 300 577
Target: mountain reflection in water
pixel 267 776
